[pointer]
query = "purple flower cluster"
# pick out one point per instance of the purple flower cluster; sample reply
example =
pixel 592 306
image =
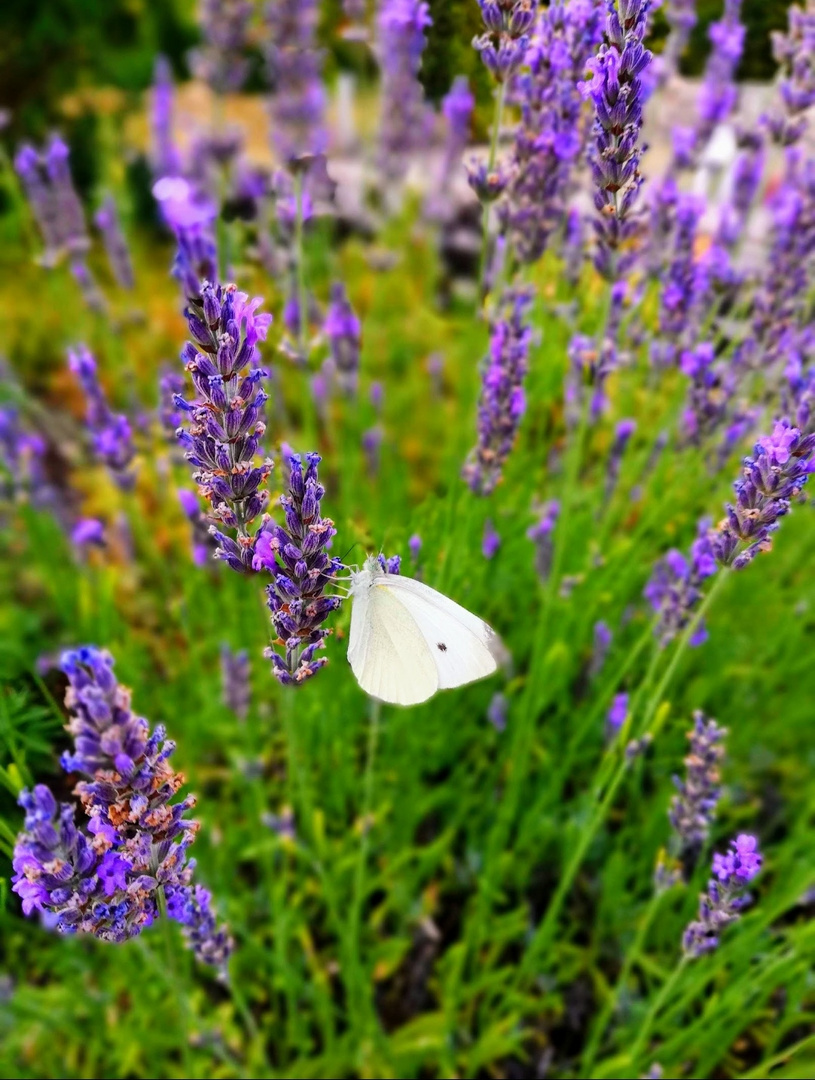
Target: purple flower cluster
pixel 617 714
pixel 110 432
pixel 204 545
pixel 616 91
pixel 343 332
pixel 602 638
pixel 22 465
pixel 490 541
pixel 623 434
pixel 54 202
pixel 222 61
pixel 681 18
pixel 295 71
pixel 297 557
pixel 107 879
pixel 693 808
pixel 541 535
pixel 779 468
pixel 503 401
pixel 226 419
pixel 551 133
pixel 405 118
pixel 718 94
pixel 107 221
pixel 725 898
pixel 236 688
pixel 457 109
pixel 675 588
pixel 505 41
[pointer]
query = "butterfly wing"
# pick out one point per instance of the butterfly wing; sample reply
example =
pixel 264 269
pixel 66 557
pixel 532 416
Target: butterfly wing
pixel 387 650
pixel 463 647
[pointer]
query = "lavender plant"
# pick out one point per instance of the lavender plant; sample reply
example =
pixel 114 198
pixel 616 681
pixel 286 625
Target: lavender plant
pixel 110 432
pixel 128 865
pixel 725 898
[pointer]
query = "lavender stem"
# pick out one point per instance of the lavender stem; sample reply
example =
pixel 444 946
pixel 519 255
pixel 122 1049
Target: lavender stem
pixel 498 116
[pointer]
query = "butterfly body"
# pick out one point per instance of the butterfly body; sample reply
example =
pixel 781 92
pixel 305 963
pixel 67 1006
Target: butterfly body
pixel 407 640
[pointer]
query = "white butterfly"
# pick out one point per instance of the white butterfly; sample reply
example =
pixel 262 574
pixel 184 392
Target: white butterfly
pixel 407 641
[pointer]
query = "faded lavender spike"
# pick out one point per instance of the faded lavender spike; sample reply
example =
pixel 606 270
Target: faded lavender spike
pixel 343 331
pixel 107 221
pixel 110 432
pixel 164 156
pixel 295 73
pixel 541 534
pixel 222 61
pixel 725 898
pixel 693 808
pixel 503 400
pixel 297 558
pixel 106 879
pixel 225 420
pixel 602 639
pixel 405 118
pixel 551 134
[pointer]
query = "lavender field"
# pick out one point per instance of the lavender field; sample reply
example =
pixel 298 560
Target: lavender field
pixel 297 334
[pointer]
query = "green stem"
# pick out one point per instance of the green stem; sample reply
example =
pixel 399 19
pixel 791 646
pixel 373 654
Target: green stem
pixel 547 927
pixel 300 271
pixel 610 1007
pixel 645 1028
pixel 362 860
pixel 763 1069
pixel 498 115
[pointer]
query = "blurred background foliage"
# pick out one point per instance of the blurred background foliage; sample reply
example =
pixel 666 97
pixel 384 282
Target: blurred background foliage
pixel 50 48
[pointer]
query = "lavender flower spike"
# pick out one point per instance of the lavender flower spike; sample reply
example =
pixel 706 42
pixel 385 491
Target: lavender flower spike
pixel 343 330
pixel 236 691
pixel 164 156
pixel 725 898
pixel 502 402
pixel 105 879
pixel 675 588
pixel 405 119
pixel 225 420
pixel 110 432
pixel 503 46
pixel 295 70
pixel 107 221
pixel 693 808
pixel 616 91
pixel 779 468
pixel 297 557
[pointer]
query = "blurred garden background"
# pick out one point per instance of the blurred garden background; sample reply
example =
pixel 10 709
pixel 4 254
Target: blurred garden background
pixel 542 303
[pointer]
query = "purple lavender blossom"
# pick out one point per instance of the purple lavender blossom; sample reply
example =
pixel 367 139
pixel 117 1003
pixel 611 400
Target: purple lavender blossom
pixel 457 109
pixel 617 714
pixel 107 880
pixel 236 687
pixel 675 588
pixel 164 156
pixel 622 436
pixel 110 432
pixel 391 564
pixel 107 221
pixel 718 94
pixel 503 401
pixel 69 208
pixel 49 187
pixel 343 331
pixel 779 468
pixel 204 545
pixel 295 70
pixel 498 711
pixel 602 639
pixel 22 466
pixel 616 90
pixel 551 134
pixel 693 808
pixel 225 420
pixel 725 898
pixel 415 546
pixel 491 541
pixel 503 45
pixel 748 171
pixel 88 532
pixel 405 118
pixel 171 384
pixel 681 18
pixel 372 440
pixel 541 534
pixel 222 61
pixel 297 557
pixel 795 54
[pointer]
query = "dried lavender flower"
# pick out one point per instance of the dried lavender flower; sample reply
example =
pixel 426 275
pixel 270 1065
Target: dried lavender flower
pixel 236 688
pixel 110 432
pixel 693 808
pixel 106 880
pixel 107 221
pixel 725 898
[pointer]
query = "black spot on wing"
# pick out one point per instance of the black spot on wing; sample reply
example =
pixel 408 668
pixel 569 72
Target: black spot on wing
pixel 441 646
